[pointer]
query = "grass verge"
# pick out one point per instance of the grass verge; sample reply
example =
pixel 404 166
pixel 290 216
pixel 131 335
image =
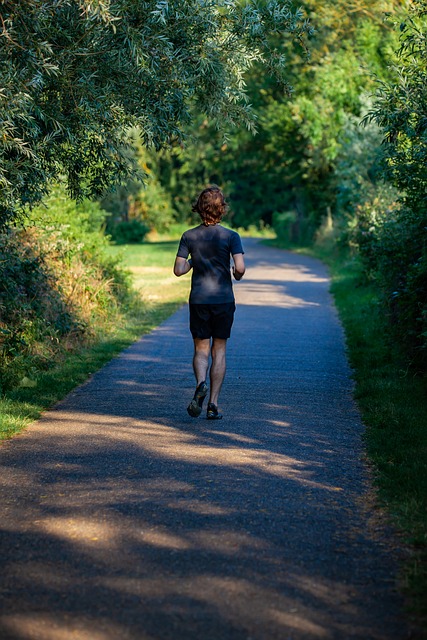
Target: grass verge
pixel 161 294
pixel 393 404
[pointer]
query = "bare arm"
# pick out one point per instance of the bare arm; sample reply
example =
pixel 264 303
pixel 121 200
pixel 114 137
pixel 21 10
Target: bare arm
pixel 181 266
pixel 239 266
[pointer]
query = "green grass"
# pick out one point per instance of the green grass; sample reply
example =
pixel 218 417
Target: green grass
pixel 161 294
pixel 393 403
pixel 151 267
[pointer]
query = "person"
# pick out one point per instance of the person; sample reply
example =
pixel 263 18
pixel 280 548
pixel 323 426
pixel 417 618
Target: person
pixel 206 249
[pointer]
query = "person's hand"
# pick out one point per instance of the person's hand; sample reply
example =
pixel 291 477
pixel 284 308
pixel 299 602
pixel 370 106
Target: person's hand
pixel 237 275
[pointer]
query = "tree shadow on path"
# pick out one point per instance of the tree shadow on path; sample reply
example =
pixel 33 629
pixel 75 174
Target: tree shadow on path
pixel 122 517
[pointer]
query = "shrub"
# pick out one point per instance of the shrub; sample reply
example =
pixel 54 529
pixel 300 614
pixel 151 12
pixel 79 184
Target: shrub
pixel 396 245
pixel 139 204
pixel 128 231
pixel 393 251
pixel 59 289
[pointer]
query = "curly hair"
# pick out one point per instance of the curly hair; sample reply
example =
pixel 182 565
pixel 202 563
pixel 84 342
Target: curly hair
pixel 210 205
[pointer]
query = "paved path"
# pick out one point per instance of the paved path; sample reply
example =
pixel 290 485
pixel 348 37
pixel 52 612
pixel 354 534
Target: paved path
pixel 123 518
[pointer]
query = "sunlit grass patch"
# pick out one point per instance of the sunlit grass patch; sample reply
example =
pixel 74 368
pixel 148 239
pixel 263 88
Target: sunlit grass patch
pixel 151 266
pixel 15 416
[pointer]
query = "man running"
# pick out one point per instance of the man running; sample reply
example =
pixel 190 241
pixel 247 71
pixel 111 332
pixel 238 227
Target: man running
pixel 211 302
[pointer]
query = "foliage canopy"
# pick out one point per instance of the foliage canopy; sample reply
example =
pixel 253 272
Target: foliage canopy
pixel 288 169
pixel 75 74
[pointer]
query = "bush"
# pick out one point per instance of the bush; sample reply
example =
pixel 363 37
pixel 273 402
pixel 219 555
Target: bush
pixel 139 204
pixel 128 231
pixel 283 223
pixel 395 245
pixel 393 250
pixel 59 289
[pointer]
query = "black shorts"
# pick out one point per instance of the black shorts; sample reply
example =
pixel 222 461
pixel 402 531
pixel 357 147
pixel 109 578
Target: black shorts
pixel 211 320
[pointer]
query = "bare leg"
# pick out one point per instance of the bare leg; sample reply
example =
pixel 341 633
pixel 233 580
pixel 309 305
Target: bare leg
pixel 201 359
pixel 217 369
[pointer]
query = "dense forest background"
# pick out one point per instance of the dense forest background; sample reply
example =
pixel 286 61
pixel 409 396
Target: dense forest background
pixel 313 121
pixel 338 160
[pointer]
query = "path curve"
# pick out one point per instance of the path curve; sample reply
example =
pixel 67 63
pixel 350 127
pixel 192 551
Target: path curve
pixel 124 519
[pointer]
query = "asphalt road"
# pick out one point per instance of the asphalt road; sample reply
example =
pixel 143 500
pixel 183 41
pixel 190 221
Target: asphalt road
pixel 123 518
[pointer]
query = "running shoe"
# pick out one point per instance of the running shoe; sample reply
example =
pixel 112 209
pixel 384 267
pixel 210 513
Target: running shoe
pixel 195 406
pixel 212 412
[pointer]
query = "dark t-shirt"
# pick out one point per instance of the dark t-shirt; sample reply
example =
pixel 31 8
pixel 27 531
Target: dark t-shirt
pixel 210 248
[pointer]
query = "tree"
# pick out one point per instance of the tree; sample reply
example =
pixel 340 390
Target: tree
pixel 288 169
pixel 76 74
pixel 396 245
pixel 401 111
